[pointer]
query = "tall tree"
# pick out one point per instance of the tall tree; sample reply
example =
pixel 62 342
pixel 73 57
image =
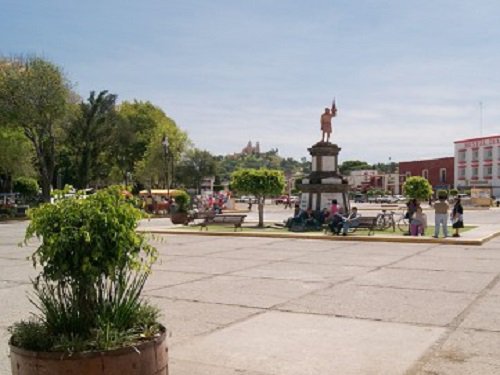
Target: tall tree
pixel 194 166
pixel 259 182
pixel 34 96
pixel 16 153
pixel 88 137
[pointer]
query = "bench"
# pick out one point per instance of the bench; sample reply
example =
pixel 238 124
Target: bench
pixel 364 222
pixel 234 219
pixel 367 222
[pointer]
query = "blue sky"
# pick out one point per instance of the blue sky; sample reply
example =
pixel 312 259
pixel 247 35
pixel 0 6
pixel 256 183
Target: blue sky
pixel 407 75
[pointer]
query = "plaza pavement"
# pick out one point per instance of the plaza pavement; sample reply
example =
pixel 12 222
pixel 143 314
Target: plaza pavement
pixel 267 306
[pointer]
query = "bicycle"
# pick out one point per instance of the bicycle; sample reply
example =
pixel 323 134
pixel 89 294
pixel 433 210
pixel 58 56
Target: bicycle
pixel 385 220
pixel 403 222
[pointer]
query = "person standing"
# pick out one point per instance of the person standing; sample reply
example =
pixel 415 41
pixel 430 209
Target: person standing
pixel 457 217
pixel 441 208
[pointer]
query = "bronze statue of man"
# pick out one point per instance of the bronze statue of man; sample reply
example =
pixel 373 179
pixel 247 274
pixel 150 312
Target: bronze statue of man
pixel 326 122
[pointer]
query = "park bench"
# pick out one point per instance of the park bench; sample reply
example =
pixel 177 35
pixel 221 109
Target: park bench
pixel 364 222
pixel 367 222
pixel 234 219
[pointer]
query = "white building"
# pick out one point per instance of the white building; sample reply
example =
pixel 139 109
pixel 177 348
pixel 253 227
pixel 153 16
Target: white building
pixel 477 163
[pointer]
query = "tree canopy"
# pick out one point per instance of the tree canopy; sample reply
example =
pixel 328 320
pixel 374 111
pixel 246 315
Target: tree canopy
pixel 33 97
pixel 417 187
pixel 258 182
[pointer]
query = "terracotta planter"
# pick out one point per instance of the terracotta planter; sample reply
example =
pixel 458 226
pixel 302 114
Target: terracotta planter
pixel 148 358
pixel 179 218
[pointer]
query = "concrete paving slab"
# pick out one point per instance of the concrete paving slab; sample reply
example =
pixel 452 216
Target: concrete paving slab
pixel 467 282
pixel 466 352
pixel 385 304
pixel 349 258
pixel 4 351
pixel 473 252
pixel 242 291
pixel 484 315
pixel 296 344
pixel 310 245
pixel 161 279
pixel 185 320
pixel 15 305
pixel 269 253
pixel 438 263
pixel 179 367
pixel 17 271
pixel 495 290
pixel 330 273
pixel 211 266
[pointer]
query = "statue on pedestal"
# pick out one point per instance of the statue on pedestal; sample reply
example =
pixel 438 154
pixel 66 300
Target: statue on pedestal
pixel 326 122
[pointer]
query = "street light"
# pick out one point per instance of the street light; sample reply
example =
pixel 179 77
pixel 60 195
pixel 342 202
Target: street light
pixel 165 145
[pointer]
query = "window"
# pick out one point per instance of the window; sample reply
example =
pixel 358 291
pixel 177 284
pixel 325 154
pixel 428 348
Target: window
pixel 425 174
pixel 488 153
pixel 408 174
pixel 442 175
pixel 487 171
pixel 462 155
pixel 461 173
pixel 475 154
pixel 475 172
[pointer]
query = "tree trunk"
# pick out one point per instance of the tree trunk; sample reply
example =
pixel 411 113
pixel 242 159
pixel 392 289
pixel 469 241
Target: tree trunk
pixel 260 201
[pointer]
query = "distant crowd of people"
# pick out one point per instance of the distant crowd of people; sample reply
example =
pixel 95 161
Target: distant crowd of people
pixel 333 217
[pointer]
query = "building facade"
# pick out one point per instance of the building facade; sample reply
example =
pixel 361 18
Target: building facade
pixel 439 172
pixel 477 163
pixel 367 179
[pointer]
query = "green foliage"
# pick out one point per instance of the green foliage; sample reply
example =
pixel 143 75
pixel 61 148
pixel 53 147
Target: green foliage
pixel 33 97
pixel 94 266
pixel 258 182
pixel 31 335
pixel 453 192
pixel 27 187
pixel 417 187
pixel 88 138
pixel 353 165
pixel 16 153
pixel 442 194
pixel 195 165
pixel 182 201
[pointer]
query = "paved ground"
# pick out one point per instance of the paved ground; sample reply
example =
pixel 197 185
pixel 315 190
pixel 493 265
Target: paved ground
pixel 252 306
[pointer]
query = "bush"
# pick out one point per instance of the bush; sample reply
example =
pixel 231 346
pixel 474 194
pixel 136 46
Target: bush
pixel 442 194
pixel 27 187
pixel 182 201
pixel 94 267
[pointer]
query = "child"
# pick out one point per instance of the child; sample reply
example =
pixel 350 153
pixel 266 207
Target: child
pixel 418 223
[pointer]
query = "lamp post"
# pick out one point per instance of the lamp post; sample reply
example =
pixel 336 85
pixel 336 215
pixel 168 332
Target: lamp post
pixel 165 145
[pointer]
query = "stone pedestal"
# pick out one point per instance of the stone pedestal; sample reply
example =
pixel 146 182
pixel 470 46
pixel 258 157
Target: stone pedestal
pixel 325 182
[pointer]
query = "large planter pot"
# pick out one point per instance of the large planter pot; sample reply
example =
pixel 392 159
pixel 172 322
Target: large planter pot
pixel 179 218
pixel 147 358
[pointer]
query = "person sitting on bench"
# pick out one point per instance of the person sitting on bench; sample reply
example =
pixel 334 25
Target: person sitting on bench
pixel 349 221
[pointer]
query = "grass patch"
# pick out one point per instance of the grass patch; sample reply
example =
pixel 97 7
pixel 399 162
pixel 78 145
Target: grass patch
pixel 270 228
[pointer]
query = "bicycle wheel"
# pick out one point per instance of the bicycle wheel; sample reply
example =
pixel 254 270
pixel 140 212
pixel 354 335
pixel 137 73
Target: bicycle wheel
pixel 404 225
pixel 381 223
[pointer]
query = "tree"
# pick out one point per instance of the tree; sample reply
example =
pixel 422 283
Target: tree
pixel 196 165
pixel 353 165
pixel 27 187
pixel 154 166
pixel 258 182
pixel 16 153
pixel 417 187
pixel 89 138
pixel 34 96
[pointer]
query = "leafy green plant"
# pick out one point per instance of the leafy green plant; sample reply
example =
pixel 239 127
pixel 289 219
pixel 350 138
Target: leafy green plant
pixel 417 187
pixel 182 201
pixel 27 187
pixel 93 268
pixel 442 194
pixel 258 182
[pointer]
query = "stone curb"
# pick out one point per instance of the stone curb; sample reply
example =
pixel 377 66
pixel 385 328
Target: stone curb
pixel 325 237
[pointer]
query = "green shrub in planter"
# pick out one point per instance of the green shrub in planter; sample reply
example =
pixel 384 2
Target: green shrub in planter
pixel 442 194
pixel 182 202
pixel 93 268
